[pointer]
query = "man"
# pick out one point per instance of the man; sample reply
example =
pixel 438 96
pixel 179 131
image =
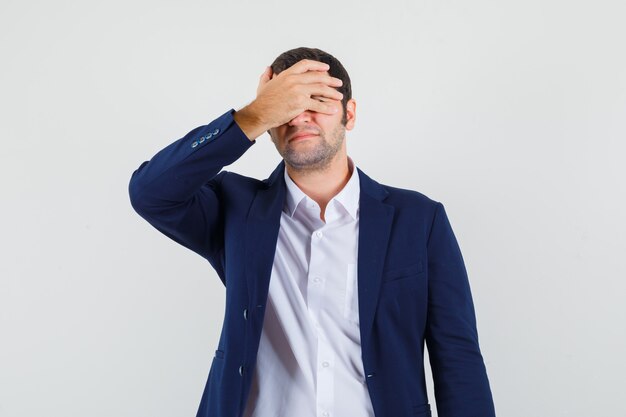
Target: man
pixel 333 280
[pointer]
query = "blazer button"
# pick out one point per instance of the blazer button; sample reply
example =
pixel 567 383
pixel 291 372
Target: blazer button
pixel 241 370
pixel 202 139
pixel 216 131
pixel 194 144
pixel 245 314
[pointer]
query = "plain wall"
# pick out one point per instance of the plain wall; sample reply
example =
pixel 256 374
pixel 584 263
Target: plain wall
pixel 511 113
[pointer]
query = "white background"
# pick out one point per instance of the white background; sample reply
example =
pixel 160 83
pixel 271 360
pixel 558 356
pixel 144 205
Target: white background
pixel 511 113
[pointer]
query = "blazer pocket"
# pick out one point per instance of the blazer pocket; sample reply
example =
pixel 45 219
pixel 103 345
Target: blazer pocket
pixel 402 280
pixel 392 274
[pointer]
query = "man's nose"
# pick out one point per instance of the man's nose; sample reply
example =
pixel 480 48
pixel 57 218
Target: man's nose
pixel 303 117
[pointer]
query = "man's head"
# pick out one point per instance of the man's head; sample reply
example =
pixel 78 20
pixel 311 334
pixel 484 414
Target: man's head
pixel 288 58
pixel 315 152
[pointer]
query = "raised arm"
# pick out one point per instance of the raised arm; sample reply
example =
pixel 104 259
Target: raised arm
pixel 178 190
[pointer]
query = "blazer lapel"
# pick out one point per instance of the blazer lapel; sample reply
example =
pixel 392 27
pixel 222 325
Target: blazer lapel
pixel 263 223
pixel 375 220
pixel 261 236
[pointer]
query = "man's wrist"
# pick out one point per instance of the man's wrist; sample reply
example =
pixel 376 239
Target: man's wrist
pixel 249 122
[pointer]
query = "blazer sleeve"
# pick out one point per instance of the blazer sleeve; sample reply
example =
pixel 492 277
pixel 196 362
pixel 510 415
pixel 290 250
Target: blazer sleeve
pixel 460 379
pixel 178 190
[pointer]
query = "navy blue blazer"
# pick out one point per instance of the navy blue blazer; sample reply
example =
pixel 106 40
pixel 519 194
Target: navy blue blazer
pixel 412 282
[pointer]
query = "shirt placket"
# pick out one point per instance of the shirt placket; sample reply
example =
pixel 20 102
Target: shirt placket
pixel 316 295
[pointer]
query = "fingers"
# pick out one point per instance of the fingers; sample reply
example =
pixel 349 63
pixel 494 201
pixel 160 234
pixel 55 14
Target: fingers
pixel 319 77
pixel 326 107
pixel 305 65
pixel 320 84
pixel 324 91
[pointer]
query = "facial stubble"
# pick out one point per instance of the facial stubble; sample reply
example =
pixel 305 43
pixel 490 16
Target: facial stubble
pixel 304 157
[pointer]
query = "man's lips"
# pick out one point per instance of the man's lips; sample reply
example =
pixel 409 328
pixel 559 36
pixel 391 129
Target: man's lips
pixel 302 135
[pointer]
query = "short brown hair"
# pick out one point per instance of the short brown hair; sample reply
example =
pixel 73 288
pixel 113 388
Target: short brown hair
pixel 290 57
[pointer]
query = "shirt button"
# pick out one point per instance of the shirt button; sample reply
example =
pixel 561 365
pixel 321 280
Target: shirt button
pixel 325 364
pixel 318 234
pixel 316 279
pixel 241 370
pixel 325 413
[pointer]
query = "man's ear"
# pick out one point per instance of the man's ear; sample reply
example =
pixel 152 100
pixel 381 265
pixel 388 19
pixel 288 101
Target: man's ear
pixel 350 114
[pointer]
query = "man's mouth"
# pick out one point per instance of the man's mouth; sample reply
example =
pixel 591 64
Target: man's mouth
pixel 301 136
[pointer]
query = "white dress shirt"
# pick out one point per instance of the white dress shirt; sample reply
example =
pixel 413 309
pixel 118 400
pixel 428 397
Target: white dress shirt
pixel 309 359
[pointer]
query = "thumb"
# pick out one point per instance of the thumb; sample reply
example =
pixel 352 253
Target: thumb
pixel 264 78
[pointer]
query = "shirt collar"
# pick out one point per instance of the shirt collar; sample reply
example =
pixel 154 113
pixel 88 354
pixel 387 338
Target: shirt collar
pixel 348 197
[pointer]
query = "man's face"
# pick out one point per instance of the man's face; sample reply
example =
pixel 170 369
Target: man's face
pixel 325 136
